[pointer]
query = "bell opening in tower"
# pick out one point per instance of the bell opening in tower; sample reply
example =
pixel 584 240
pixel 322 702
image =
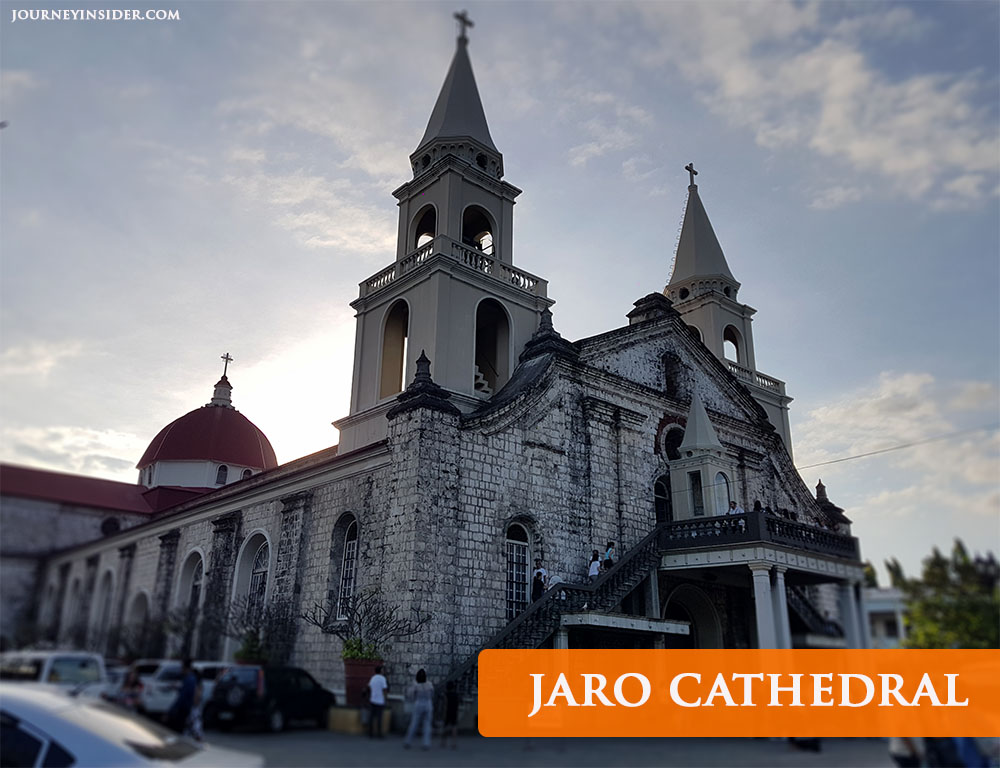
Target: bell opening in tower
pixel 394 342
pixel 492 347
pixel 477 230
pixel 426 227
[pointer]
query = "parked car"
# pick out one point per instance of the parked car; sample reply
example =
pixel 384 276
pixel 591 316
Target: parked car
pixel 160 689
pixel 40 727
pixel 71 671
pixel 267 697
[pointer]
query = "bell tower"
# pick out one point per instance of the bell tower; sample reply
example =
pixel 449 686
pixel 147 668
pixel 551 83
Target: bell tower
pixel 703 289
pixel 453 290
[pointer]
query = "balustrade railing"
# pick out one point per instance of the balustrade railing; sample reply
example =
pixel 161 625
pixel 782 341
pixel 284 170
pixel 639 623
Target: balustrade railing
pixel 469 257
pixel 756 526
pixel 755 377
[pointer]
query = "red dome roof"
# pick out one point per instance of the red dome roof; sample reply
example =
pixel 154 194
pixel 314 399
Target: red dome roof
pixel 212 433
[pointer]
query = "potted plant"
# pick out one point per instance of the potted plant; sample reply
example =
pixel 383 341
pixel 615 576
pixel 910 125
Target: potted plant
pixel 365 627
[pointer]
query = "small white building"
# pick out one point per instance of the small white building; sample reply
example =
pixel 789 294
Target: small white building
pixel 885 612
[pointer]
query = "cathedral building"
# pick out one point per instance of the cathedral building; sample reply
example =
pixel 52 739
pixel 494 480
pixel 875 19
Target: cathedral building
pixel 478 441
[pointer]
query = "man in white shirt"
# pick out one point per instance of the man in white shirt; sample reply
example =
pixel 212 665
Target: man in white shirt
pixel 735 509
pixel 377 687
pixel 540 569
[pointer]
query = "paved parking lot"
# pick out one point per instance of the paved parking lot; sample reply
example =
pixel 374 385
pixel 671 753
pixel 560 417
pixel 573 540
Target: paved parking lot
pixel 322 748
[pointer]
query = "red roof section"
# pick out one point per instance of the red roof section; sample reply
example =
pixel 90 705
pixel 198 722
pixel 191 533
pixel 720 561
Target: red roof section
pixel 72 489
pixel 212 433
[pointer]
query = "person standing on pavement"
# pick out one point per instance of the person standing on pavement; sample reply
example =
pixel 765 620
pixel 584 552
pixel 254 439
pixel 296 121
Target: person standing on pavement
pixel 180 710
pixel 421 696
pixel 377 687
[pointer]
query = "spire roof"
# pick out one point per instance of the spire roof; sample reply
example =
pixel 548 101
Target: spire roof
pixel 699 435
pixel 459 110
pixel 698 250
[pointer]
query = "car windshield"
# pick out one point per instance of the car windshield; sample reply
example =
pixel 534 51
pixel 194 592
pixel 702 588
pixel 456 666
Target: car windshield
pixel 120 726
pixel 241 676
pixel 20 669
pixel 73 670
pixel 169 674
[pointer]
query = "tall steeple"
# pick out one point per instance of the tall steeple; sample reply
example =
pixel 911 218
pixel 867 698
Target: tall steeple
pixel 453 289
pixel 698 251
pixel 702 288
pixel 457 125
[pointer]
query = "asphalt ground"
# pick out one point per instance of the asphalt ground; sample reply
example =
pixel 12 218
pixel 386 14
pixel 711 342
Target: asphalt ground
pixel 300 747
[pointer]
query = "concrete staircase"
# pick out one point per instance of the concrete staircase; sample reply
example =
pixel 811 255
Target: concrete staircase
pixel 542 617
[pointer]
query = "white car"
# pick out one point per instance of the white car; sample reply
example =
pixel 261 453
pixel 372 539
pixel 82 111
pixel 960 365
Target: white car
pixel 71 671
pixel 160 689
pixel 40 727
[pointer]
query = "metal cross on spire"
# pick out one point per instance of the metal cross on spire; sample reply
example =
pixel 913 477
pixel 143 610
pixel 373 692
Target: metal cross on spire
pixel 464 22
pixel 690 169
pixel 227 360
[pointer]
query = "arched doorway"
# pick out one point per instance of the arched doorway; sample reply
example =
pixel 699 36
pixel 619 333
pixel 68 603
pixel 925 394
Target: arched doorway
pixel 686 602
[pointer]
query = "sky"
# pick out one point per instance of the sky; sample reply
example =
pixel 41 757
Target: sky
pixel 172 190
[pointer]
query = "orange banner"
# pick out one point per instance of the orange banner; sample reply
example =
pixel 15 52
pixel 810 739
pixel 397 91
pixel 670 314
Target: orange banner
pixel 739 693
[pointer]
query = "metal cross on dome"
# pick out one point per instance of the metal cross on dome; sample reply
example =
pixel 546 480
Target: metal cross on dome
pixel 227 360
pixel 464 22
pixel 690 169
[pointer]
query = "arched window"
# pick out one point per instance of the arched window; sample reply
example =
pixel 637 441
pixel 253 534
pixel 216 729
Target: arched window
pixel 722 493
pixel 257 589
pixel 477 230
pixel 137 625
pixel 517 570
pixel 348 571
pixel 247 473
pixel 426 227
pixel 394 339
pixel 492 367
pixel 732 345
pixel 672 440
pixel 661 499
pixel 221 475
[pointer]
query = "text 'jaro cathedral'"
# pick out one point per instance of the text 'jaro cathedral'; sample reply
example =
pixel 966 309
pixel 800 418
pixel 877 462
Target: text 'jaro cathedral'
pixel 478 439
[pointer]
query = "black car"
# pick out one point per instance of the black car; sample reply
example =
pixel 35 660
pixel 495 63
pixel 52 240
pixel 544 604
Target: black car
pixel 266 697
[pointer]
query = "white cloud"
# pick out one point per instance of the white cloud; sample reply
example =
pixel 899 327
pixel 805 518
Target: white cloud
pixel 943 481
pixel 796 80
pixel 836 196
pixel 14 83
pixel 94 452
pixel 954 469
pixel 37 359
pixel 320 212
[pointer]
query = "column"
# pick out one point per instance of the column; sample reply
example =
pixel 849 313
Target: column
pixel 865 633
pixel 81 628
pixel 165 567
pixel 849 615
pixel 780 603
pixel 900 626
pixel 126 555
pixel 762 604
pixel 561 640
pixel 286 591
pixel 219 579
pixel 653 595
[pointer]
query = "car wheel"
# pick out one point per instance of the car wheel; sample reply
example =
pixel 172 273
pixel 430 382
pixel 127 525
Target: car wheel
pixel 275 720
